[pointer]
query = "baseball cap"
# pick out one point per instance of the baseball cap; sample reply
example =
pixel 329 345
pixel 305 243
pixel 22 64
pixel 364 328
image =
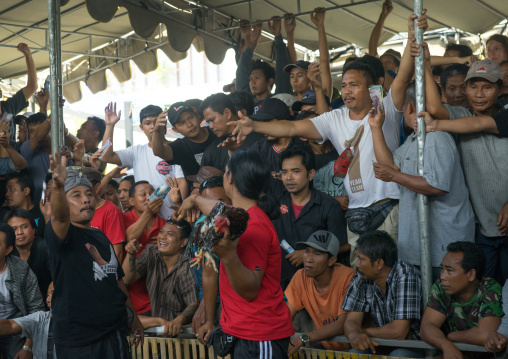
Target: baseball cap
pixel 393 53
pixel 204 173
pixel 176 109
pixel 149 111
pixel 229 87
pixel 322 241
pixel 272 108
pixel 304 65
pixel 485 69
pixel 309 98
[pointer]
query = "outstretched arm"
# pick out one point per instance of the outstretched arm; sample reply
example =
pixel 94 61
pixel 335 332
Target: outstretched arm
pixel 353 331
pixel 318 18
pixel 386 9
pixel 431 332
pixel 31 84
pixel 60 213
pixel 159 146
pixel 251 34
pixel 111 117
pixel 469 124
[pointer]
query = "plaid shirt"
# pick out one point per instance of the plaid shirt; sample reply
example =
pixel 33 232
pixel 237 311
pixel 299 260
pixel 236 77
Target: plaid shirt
pixel 402 298
pixel 170 293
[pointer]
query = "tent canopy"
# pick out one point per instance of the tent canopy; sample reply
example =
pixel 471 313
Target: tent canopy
pixel 211 25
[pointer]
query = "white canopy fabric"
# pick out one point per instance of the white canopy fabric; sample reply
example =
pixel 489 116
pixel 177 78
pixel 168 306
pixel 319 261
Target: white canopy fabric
pixel 173 25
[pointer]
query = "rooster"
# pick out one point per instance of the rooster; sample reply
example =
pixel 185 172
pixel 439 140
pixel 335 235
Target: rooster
pixel 212 228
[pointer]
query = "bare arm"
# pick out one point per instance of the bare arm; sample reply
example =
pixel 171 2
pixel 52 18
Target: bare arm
pixel 135 230
pixel 477 335
pixel 289 25
pixel 183 186
pixel 383 154
pixel 446 60
pixel 468 124
pixel 159 146
pixel 9 327
pixel 129 268
pixel 353 331
pixel 60 213
pixel 111 117
pixel 431 332
pixel 316 79
pixel 210 291
pixel 31 84
pixel 397 329
pixel 417 184
pixel 40 134
pixel 386 9
pixel 318 18
pixel 137 332
pixel 18 160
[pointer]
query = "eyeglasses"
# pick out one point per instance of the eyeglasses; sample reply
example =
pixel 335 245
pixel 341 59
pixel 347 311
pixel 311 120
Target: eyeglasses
pixel 171 221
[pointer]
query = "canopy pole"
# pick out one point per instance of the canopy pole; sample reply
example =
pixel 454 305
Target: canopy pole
pixel 129 136
pixel 423 201
pixel 55 67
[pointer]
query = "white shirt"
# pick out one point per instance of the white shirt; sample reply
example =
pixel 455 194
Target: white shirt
pixel 362 186
pixel 148 167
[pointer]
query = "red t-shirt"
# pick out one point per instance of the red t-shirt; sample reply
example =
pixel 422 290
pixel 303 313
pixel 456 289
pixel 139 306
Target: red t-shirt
pixel 137 290
pixel 266 317
pixel 297 209
pixel 109 219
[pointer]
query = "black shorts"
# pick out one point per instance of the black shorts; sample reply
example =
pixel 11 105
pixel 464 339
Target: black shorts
pixel 112 346
pixel 271 349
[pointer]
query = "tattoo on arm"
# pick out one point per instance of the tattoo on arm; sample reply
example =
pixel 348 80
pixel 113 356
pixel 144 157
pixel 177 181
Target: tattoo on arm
pixel 132 262
pixel 188 312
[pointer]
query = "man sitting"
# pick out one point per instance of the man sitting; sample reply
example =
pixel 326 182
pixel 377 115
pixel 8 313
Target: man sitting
pixel 388 289
pixel 171 286
pixel 20 191
pixel 320 289
pixel 465 302
pixel 142 224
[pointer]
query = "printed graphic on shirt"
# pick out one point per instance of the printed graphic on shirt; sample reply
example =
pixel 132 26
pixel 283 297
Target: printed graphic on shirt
pixel 284 209
pixel 163 167
pixel 198 157
pixel 101 268
pixel 355 175
pixel 327 318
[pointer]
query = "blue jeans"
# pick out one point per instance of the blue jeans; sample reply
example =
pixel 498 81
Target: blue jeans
pixel 400 352
pixel 496 251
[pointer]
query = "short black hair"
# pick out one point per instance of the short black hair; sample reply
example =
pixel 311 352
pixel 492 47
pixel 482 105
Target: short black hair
pixel 100 125
pixel 36 118
pixel 463 50
pixel 452 70
pixel 308 157
pixel 10 236
pixel 378 245
pixel 349 60
pixel 212 182
pixel 24 181
pixel 367 71
pixel 21 213
pixel 218 102
pixel 193 102
pixel 474 257
pixel 375 63
pixel 129 178
pixel 268 71
pixel 132 190
pixel 183 226
pixel 242 100
pixel 114 184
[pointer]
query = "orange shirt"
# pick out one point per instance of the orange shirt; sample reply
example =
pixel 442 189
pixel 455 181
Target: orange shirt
pixel 323 308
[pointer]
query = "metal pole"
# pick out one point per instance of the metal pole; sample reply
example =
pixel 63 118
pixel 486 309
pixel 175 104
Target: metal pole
pixel 129 136
pixel 423 201
pixel 55 63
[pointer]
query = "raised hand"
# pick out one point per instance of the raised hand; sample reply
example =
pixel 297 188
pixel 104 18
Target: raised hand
pixel 133 246
pixel 161 122
pixel 275 25
pixel 79 151
pixel 318 16
pixel 59 167
pixel 111 117
pixel 24 49
pixel 387 8
pixel 95 161
pixel 116 172
pixel 314 75
pixel 376 120
pixel 43 98
pixel 289 23
pixel 174 192
pixel 421 22
pixel 255 33
pixel 415 50
pixel 244 126
pixel 154 205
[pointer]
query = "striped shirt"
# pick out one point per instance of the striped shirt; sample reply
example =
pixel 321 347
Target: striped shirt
pixel 402 298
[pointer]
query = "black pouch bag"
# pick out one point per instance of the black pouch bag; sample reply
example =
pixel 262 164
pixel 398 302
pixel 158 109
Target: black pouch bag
pixel 223 344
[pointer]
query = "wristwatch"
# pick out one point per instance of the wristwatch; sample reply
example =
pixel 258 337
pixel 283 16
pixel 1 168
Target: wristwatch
pixel 305 339
pixel 27 348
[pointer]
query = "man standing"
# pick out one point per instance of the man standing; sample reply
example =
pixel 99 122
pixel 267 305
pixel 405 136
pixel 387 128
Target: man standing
pixel 388 289
pixel 465 302
pixel 20 194
pixel 92 133
pixel 90 298
pixel 320 288
pixel 30 248
pixel 19 292
pixel 147 166
pixel 171 286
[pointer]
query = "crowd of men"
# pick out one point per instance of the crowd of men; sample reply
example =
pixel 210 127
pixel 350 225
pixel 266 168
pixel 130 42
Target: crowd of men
pixel 330 182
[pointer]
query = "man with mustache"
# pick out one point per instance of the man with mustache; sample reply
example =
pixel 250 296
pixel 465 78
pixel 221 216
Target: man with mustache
pixel 90 298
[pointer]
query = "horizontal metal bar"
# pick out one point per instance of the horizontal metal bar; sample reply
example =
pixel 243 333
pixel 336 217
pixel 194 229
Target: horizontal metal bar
pixel 66 52
pixel 14 7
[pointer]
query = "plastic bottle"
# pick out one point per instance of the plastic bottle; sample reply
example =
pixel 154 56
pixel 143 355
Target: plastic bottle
pixel 161 191
pixel 285 245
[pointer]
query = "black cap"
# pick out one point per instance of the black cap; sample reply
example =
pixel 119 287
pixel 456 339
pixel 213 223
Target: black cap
pixel 309 98
pixel 304 65
pixel 176 109
pixel 149 111
pixel 272 108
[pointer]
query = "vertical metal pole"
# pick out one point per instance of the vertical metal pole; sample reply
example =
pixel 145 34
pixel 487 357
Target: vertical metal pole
pixel 55 66
pixel 129 137
pixel 423 201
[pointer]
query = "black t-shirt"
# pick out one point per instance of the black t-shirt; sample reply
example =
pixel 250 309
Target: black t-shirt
pixel 218 157
pixel 39 264
pixel 13 106
pixel 501 119
pixel 39 219
pixel 272 157
pixel 87 302
pixel 188 154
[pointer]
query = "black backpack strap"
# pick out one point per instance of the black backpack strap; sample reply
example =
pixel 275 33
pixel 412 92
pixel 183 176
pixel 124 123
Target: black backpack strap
pixel 51 340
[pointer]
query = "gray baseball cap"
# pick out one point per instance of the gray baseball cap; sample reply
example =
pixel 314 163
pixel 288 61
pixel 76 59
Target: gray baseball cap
pixel 322 241
pixel 485 69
